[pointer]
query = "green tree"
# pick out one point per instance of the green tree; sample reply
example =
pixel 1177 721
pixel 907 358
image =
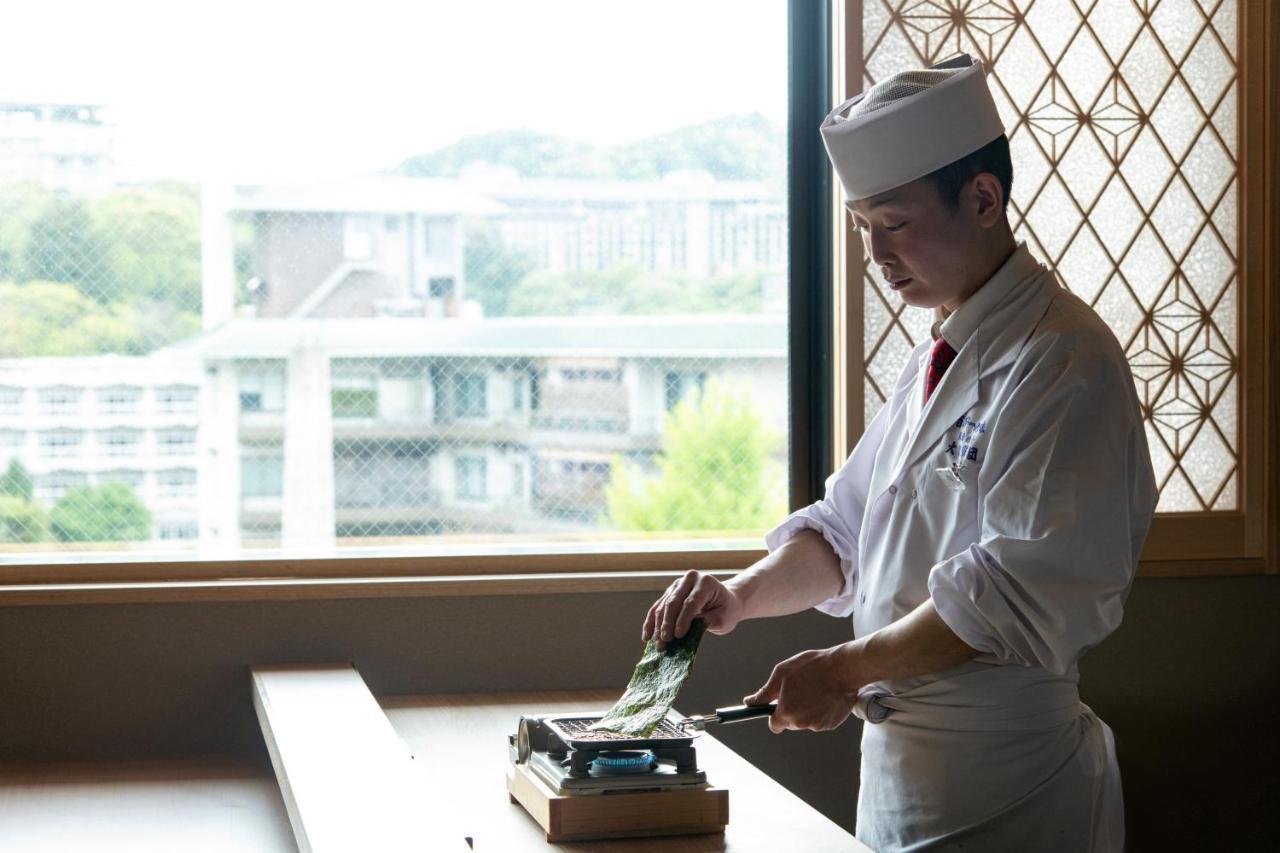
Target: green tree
pixel 151 246
pixel 736 147
pixel 45 318
pixel 492 269
pixel 20 205
pixel 134 254
pixel 716 471
pixel 628 289
pixel 16 482
pixel 64 245
pixel 106 513
pixel 531 153
pixel 22 520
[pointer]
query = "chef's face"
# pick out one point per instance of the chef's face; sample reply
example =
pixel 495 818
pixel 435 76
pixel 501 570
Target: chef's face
pixel 928 252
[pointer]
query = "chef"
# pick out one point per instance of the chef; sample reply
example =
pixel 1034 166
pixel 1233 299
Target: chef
pixel 985 531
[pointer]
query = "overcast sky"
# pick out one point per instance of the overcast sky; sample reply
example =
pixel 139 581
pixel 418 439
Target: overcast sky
pixel 254 90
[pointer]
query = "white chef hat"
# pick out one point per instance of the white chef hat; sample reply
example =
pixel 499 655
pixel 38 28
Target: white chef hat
pixel 909 125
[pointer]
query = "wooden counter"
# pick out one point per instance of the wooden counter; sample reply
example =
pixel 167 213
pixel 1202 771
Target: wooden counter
pixel 462 739
pixel 196 806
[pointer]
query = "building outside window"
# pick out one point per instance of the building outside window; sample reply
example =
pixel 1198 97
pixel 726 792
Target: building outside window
pixel 471 390
pixel 120 442
pixel 10 400
pixel 124 476
pixel 262 476
pixel 176 442
pixel 262 391
pixel 60 400
pixel 61 442
pixel 10 438
pixel 472 474
pixel 177 530
pixel 177 399
pixel 517 481
pixel 354 397
pixel 357 239
pixel 679 386
pixel 53 486
pixel 119 400
pixel 439 239
pixel 176 483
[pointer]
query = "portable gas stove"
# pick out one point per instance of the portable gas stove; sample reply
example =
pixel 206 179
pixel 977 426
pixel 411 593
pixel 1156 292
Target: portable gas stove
pixel 581 784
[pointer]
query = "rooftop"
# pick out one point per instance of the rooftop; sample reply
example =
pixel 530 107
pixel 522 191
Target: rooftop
pixel 667 336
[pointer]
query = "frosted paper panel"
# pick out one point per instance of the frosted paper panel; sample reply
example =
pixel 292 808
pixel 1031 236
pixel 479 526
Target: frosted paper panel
pixel 1122 118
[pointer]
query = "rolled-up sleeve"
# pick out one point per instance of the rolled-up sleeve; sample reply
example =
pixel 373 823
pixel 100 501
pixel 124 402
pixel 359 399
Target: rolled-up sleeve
pixel 1067 506
pixel 838 516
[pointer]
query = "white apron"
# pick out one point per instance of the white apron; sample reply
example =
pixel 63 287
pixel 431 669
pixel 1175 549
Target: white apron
pixel 1017 499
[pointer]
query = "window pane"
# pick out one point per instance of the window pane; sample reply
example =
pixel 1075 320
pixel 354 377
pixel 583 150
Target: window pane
pixel 421 298
pixel 1122 123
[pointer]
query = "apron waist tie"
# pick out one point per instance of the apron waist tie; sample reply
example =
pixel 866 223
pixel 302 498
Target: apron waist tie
pixel 1019 707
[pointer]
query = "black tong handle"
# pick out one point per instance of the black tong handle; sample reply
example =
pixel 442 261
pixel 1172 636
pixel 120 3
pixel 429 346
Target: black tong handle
pixel 737 713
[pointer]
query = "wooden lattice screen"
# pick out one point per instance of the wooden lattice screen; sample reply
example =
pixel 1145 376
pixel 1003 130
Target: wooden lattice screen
pixel 1122 120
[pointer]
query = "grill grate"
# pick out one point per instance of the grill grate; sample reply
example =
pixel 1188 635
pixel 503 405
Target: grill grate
pixel 579 729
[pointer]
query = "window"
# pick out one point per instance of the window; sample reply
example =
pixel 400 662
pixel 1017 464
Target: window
pixel 262 392
pixel 119 400
pixel 120 442
pixel 439 239
pixel 177 530
pixel 472 473
pixel 607 256
pixel 176 483
pixel 355 402
pixel 176 442
pixel 10 400
pixel 124 476
pixel 10 438
pixel 440 287
pixel 471 396
pixel 53 486
pixel 517 394
pixel 60 442
pixel 177 399
pixel 517 481
pixel 681 386
pixel 357 241
pixel 262 476
pixel 59 401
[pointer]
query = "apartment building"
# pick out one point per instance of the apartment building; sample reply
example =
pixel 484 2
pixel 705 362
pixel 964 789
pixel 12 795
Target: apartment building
pixel 65 145
pixel 87 421
pixel 319 430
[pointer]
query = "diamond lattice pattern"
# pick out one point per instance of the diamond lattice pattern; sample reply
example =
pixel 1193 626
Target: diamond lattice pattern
pixel 1121 117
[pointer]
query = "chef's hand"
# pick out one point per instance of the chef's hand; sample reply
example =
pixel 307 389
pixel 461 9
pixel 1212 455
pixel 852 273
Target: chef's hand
pixel 815 690
pixel 696 595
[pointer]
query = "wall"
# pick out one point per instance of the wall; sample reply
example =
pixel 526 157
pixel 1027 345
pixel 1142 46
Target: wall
pixel 1190 684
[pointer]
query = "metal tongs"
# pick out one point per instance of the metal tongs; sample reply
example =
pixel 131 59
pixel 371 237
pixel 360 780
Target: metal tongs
pixel 733 714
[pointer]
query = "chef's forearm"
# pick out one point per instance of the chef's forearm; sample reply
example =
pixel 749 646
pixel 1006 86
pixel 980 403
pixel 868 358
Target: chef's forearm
pixel 919 643
pixel 802 573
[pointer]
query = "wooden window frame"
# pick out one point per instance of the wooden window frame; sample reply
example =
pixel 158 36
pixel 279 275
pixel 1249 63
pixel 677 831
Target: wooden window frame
pixel 1244 541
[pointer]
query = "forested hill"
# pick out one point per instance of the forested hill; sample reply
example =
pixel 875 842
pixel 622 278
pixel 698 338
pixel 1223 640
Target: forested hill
pixel 741 147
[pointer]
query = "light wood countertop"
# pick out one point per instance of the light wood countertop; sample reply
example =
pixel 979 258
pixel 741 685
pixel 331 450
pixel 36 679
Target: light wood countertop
pixel 465 736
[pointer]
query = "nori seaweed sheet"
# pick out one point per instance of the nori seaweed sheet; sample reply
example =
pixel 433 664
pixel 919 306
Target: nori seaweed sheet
pixel 654 685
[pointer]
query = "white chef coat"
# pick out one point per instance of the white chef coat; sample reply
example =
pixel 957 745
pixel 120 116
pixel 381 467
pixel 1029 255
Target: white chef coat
pixel 1018 498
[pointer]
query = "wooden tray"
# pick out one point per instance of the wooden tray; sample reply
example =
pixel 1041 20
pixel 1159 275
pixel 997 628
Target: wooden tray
pixel 580 817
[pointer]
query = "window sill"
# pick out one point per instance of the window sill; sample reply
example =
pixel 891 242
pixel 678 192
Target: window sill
pixel 297 579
